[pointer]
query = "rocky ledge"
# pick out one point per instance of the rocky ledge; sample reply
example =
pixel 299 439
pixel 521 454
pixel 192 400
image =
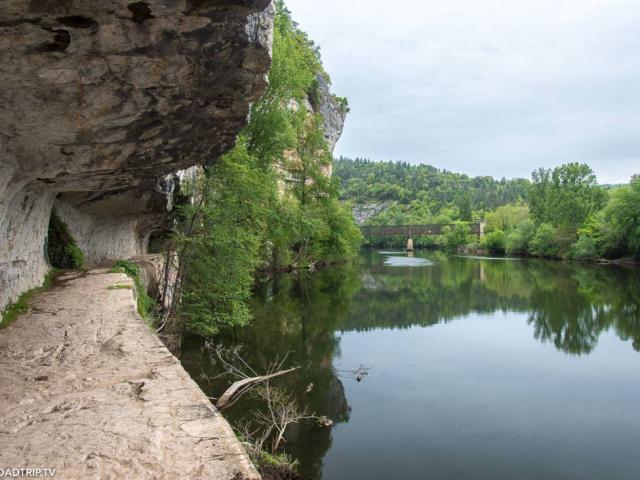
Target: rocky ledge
pixel 88 389
pixel 102 102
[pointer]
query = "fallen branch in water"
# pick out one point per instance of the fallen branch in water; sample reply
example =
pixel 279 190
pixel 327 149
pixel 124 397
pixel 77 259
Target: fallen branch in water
pixel 247 378
pixel 238 388
pixel 271 420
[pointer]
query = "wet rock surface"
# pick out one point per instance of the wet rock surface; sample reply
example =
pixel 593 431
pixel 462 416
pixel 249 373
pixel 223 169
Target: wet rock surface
pixel 87 388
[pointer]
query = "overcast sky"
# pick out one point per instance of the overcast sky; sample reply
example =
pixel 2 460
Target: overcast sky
pixel 485 87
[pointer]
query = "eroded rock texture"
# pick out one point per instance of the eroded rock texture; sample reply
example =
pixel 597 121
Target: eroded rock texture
pixel 101 101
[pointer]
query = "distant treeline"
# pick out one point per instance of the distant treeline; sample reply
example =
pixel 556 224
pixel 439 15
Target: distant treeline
pixel 422 193
pixel 561 212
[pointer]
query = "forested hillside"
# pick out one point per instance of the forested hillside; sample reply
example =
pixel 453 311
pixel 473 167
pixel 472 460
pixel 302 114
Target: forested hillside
pixel 422 193
pixel 561 212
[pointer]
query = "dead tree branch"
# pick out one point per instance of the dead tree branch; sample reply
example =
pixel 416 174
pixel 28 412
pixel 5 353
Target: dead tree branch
pixel 240 387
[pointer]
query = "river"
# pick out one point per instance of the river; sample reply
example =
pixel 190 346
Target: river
pixel 447 367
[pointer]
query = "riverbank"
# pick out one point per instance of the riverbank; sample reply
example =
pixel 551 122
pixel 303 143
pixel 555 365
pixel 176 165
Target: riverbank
pixel 87 388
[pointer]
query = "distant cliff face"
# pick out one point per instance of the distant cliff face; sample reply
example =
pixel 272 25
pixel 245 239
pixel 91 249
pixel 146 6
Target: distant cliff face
pixel 333 117
pixel 333 114
pixel 101 102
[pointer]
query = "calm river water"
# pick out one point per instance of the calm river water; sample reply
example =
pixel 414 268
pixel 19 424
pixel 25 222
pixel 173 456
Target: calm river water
pixel 476 368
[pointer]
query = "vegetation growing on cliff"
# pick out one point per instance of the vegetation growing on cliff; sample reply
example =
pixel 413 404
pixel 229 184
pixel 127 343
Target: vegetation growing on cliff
pixel 22 304
pixel 267 204
pixel 144 302
pixel 62 248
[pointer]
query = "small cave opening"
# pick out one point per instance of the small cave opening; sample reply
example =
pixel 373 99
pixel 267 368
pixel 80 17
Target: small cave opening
pixel 161 241
pixel 77 21
pixel 62 250
pixel 140 11
pixel 61 41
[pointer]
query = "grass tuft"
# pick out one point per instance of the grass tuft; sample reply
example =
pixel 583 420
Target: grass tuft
pixel 119 286
pixel 22 305
pixel 144 301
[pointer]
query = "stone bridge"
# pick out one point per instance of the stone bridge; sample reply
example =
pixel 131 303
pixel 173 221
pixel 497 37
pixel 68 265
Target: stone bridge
pixel 477 228
pixel 411 231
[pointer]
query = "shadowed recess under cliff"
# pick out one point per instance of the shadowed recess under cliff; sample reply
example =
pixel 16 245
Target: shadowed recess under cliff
pixel 102 103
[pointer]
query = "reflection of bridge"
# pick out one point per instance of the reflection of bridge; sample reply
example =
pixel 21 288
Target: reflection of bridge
pixel 410 231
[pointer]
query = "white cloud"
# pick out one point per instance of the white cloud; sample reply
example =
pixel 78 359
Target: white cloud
pixel 493 87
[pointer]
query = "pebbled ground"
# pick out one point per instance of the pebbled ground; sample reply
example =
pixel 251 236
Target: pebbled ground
pixel 87 388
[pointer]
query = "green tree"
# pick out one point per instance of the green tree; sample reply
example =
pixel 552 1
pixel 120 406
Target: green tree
pixel 466 212
pixel 620 222
pixel 538 194
pixel 421 193
pixel 566 196
pixel 506 217
pixel 517 241
pixel 454 237
pixel 268 203
pixel 220 244
pixel 295 64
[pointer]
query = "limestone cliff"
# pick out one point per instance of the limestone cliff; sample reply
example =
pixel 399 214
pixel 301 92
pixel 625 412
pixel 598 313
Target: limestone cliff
pixel 333 113
pixel 101 102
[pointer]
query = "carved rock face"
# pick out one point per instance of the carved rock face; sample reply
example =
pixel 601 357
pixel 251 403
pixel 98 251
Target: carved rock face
pixel 101 100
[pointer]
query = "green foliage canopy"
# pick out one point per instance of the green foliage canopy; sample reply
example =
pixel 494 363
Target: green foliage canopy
pixel 223 249
pixel 566 196
pixel 619 228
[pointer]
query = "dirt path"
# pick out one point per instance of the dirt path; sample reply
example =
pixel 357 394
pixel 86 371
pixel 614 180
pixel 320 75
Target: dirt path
pixel 88 389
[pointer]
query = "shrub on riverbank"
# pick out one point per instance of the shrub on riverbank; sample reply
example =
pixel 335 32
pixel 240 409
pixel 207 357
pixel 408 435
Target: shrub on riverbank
pixel 619 225
pixel 571 218
pixel 517 241
pixel 495 242
pixel 454 237
pixel 543 243
pixel 585 248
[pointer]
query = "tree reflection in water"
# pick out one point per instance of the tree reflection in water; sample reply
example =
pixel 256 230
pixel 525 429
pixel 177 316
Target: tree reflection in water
pixel 569 305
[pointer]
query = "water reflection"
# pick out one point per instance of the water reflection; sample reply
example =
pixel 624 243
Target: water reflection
pixel 569 306
pixel 298 314
pixel 408 261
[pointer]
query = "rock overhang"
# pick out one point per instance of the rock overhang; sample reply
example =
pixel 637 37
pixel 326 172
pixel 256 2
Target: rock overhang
pixel 102 102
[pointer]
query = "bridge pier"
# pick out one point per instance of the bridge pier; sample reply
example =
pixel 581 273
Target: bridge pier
pixel 409 245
